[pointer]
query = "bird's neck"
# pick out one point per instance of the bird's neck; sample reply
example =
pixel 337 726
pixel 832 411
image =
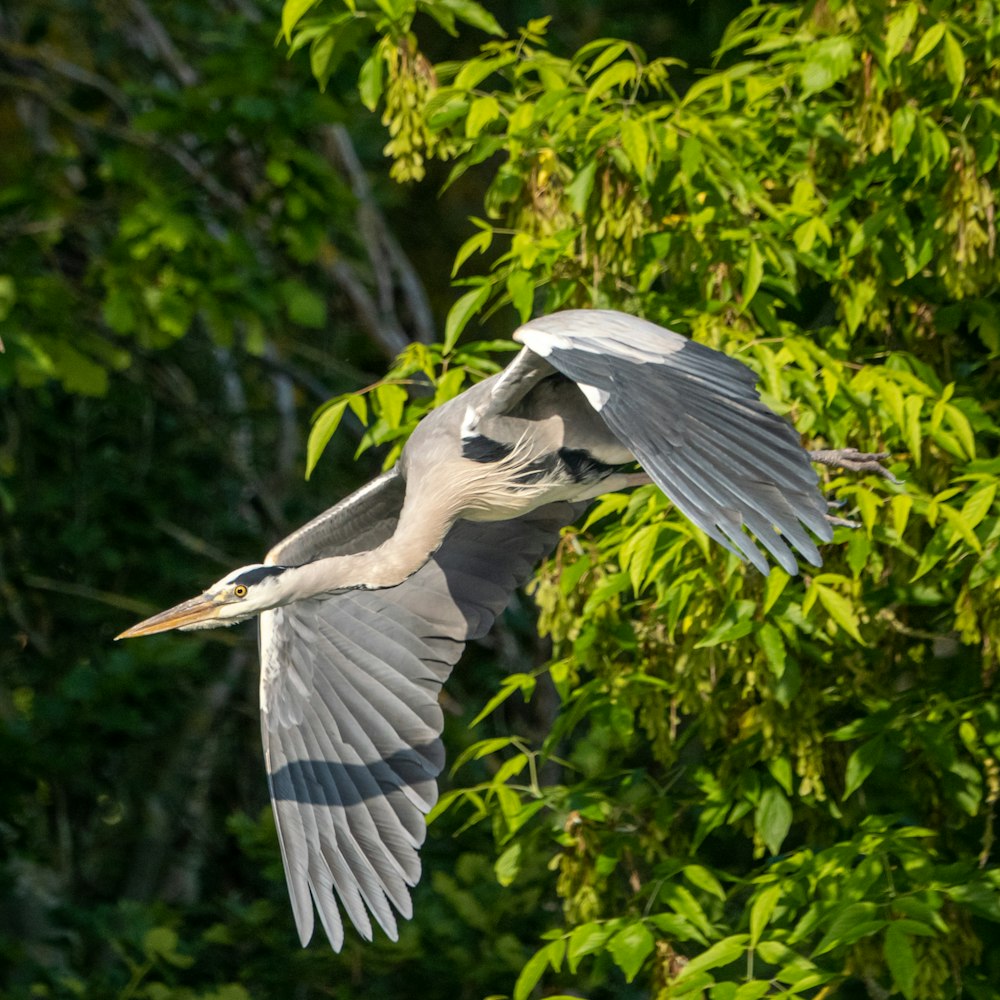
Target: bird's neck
pixel 420 530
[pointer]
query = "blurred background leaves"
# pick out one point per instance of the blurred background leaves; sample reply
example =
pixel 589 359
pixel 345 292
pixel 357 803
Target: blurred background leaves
pixel 716 784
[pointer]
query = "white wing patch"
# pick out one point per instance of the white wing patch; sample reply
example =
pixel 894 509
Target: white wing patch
pixel 469 422
pixel 596 397
pixel 600 331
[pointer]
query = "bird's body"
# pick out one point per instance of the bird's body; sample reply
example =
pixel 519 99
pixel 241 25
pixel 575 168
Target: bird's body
pixel 364 611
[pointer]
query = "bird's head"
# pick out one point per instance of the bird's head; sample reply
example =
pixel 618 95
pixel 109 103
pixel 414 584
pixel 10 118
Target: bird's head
pixel 237 596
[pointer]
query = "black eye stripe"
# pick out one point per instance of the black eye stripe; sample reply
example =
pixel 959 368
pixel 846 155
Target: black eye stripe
pixel 252 576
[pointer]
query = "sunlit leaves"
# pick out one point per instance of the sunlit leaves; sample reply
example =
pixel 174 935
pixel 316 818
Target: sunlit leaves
pixel 900 958
pixel 861 763
pixel 773 817
pixel 461 312
pixel 819 206
pixel 630 948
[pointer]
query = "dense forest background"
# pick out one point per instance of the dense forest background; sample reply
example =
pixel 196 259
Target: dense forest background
pixel 699 782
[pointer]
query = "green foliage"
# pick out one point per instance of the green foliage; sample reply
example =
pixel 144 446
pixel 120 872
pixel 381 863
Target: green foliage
pixel 719 785
pixel 385 409
pixel 756 787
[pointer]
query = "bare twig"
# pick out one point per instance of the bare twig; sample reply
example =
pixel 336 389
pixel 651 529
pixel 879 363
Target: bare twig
pixel 71 589
pixel 390 264
pixel 180 156
pixel 284 404
pixel 159 43
pixel 387 334
pixel 295 373
pixel 43 55
pixel 194 543
pixel 170 804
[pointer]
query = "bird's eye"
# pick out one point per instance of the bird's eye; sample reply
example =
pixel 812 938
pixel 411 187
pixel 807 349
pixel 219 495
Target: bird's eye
pixel 239 590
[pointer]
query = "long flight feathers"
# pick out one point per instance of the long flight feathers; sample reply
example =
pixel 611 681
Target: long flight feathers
pixel 350 681
pixel 694 420
pixel 353 742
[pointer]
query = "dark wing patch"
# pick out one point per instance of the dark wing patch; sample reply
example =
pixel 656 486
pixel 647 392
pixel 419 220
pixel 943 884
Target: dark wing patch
pixel 479 448
pixel 582 467
pixel 351 721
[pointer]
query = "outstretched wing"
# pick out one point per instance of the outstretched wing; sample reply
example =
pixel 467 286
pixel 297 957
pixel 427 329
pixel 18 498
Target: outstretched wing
pixel 694 420
pixel 350 717
pixel 359 522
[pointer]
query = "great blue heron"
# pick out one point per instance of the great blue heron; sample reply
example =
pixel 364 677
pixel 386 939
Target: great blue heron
pixel 364 610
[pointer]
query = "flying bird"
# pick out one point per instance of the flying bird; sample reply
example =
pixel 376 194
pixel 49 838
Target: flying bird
pixel 364 611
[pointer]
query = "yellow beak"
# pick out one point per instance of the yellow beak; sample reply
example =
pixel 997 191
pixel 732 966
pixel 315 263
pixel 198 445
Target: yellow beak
pixel 198 609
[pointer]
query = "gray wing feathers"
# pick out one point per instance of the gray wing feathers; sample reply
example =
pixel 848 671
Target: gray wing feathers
pixel 361 521
pixel 352 741
pixel 694 420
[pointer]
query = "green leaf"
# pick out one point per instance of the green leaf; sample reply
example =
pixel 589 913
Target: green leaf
pixel 461 312
pixel 524 683
pixel 773 817
pixel 635 142
pixel 861 763
pixel 901 960
pixel 808 232
pixel 850 923
pixel 761 911
pixel 162 942
pixel 721 953
pixel 479 242
pixel 630 947
pixel 508 864
pixel 780 768
pixel 771 642
pixel 911 426
pixel 963 429
pixel 680 899
pixel 482 111
pixel 521 288
pixel 578 190
pixel 612 49
pixel 692 155
pixel 753 271
pixel 391 399
pixel 303 305
pixel 701 877
pixel 324 425
pixel 637 552
pixel 901 506
pixel 585 940
pixel 473 14
pixel 534 968
pixel 320 55
pixel 827 62
pixel 928 42
pixel 754 989
pixel 898 31
pixel 611 587
pixel 774 587
pixel 370 80
pixel 616 75
pixel 840 609
pixel 954 62
pixel 291 13
pixel 901 126
pixel 978 506
pixel 726 631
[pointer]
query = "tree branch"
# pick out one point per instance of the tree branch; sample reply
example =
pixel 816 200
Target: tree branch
pixel 391 267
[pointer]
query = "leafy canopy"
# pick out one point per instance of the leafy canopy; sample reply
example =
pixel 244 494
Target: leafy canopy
pixel 762 786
